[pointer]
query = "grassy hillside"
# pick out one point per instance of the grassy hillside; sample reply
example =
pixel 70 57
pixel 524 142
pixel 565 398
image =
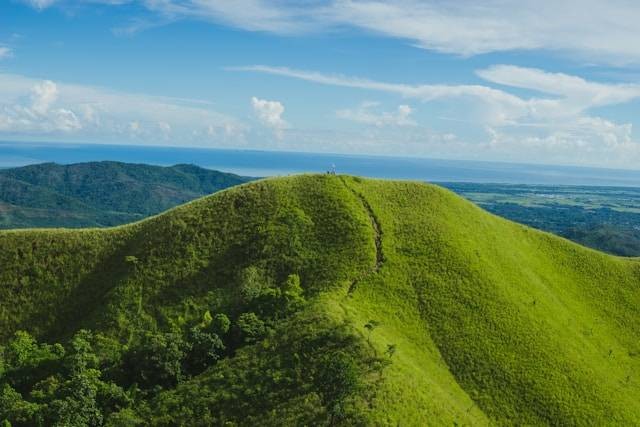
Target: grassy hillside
pixel 347 301
pixel 602 218
pixel 99 193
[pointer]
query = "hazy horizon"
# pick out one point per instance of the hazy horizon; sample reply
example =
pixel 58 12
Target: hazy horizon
pixel 521 82
pixel 273 163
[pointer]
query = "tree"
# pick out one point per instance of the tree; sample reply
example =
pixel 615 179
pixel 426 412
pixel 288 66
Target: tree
pixel 251 328
pixel 155 359
pixel 77 404
pixel 220 324
pixel 292 291
pixel 205 348
pixel 124 417
pixel 251 284
pixel 14 409
pixel 80 356
pixel 20 350
pixel 337 380
pixel 206 319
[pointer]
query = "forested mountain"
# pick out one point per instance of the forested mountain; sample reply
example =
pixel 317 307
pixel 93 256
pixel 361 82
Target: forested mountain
pixel 100 193
pixel 317 300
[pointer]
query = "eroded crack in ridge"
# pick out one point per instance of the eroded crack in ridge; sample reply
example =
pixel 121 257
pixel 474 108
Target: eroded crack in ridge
pixel 377 231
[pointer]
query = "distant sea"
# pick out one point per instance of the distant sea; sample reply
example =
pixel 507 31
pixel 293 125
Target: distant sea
pixel 273 163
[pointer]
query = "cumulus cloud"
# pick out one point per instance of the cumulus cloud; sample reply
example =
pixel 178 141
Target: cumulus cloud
pixel 270 114
pixel 43 95
pixel 365 113
pixel 32 108
pixel 39 115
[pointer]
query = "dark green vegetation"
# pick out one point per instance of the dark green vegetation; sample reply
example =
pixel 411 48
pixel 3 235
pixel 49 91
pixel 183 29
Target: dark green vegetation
pixel 100 193
pixel 604 218
pixel 317 300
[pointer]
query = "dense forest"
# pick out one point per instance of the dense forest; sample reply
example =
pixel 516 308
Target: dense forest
pixel 98 194
pixel 316 300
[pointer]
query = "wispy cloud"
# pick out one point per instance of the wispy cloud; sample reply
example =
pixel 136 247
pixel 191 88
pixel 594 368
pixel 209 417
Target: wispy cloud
pixel 421 92
pixel 39 4
pixel 552 123
pixel 591 93
pixel 577 94
pixel 604 31
pixel 366 113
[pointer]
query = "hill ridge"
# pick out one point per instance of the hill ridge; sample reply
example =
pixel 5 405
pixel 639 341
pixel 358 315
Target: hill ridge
pixel 451 315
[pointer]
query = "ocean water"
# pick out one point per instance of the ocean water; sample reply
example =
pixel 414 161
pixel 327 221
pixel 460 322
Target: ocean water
pixel 273 163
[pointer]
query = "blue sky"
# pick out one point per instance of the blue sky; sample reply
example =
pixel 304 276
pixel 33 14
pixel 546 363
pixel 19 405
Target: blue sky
pixel 544 82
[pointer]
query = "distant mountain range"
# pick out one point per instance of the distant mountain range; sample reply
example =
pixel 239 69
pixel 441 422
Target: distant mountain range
pixel 97 194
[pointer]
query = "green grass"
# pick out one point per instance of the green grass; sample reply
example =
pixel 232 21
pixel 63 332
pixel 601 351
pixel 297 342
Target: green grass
pixel 493 322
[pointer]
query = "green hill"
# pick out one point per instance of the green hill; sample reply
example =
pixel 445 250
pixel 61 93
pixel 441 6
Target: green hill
pixel 317 300
pixel 100 193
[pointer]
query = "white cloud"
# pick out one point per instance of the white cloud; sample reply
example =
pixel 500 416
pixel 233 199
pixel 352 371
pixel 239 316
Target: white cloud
pixel 39 4
pixel 605 31
pixel 270 114
pixel 32 108
pixel 499 107
pixel 38 115
pixel 592 94
pixel 5 52
pixel 421 92
pixel 365 114
pixel 601 29
pixel 590 141
pixel 546 126
pixel 253 15
pixel 43 95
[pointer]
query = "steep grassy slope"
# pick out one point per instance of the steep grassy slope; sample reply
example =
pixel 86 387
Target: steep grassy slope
pixel 483 321
pixel 534 329
pixel 99 193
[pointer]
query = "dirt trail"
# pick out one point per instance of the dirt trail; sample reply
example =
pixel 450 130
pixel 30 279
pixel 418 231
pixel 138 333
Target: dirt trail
pixel 377 231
